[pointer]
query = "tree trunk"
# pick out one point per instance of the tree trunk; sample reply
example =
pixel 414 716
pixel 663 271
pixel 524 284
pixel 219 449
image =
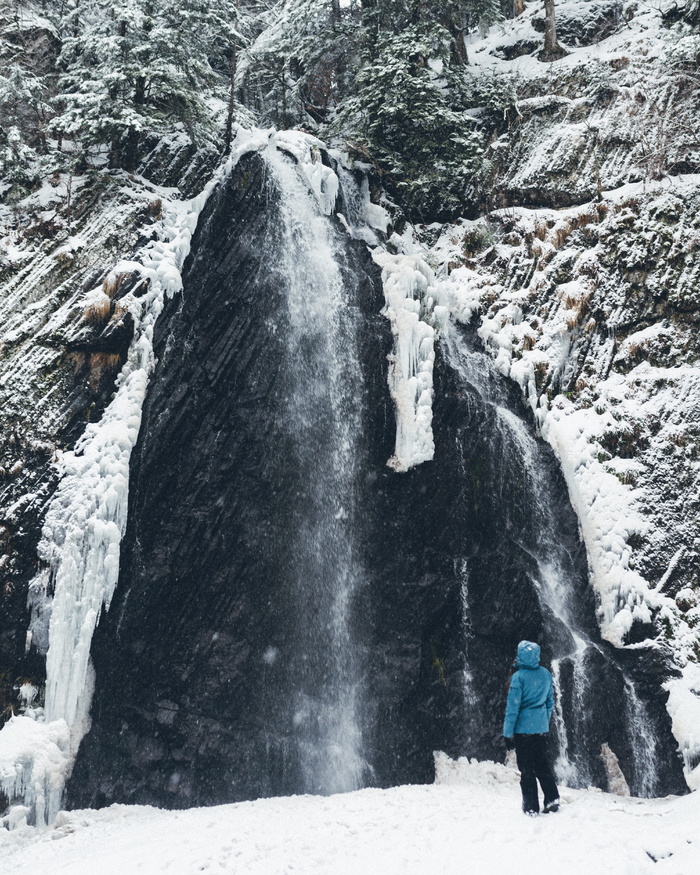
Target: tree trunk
pixel 551 44
pixel 518 7
pixel 458 48
pixel 129 150
pixel 231 96
pixel 233 65
pixel 552 49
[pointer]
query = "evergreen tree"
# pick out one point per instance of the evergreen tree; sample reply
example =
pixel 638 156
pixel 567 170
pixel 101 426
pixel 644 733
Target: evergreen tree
pixel 22 111
pixel 408 110
pixel 457 17
pixel 300 65
pixel 130 66
pixel 385 75
pixel 24 92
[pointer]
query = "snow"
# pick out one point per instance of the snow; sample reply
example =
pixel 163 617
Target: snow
pixel 34 762
pixel 468 821
pixel 684 707
pixel 606 512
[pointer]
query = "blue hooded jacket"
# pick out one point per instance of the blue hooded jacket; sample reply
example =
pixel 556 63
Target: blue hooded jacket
pixel 530 698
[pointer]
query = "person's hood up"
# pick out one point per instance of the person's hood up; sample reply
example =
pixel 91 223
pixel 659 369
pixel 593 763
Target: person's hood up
pixel 528 655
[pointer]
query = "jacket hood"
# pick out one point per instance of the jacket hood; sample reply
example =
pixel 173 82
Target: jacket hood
pixel 528 655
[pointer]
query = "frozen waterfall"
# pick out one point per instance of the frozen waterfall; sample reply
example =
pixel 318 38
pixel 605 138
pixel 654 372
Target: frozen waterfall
pixel 584 669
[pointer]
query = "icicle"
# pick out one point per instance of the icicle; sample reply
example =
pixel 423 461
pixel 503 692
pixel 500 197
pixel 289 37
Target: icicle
pixel 407 282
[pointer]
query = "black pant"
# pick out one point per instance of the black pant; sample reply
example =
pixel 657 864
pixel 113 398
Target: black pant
pixel 531 753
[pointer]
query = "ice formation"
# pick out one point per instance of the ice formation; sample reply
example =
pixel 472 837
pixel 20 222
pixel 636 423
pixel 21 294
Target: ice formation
pixel 84 525
pixel 321 179
pixel 410 307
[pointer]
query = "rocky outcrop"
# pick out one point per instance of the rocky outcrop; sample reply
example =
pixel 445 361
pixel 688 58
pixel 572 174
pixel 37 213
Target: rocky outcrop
pixel 560 133
pixel 63 341
pixel 193 703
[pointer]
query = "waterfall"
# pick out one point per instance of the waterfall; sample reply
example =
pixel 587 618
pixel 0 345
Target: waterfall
pixel 293 614
pixel 580 663
pixel 322 419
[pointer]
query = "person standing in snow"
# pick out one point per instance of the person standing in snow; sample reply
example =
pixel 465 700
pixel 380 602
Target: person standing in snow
pixel 528 710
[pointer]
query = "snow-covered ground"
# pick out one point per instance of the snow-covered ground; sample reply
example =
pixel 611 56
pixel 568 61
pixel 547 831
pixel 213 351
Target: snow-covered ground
pixel 469 822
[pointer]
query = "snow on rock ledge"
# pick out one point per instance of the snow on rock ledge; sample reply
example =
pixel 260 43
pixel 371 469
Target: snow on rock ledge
pixel 684 708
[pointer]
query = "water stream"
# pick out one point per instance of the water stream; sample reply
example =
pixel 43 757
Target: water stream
pixel 322 419
pixel 579 662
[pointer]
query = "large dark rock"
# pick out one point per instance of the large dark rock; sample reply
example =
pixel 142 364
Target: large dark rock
pixel 196 659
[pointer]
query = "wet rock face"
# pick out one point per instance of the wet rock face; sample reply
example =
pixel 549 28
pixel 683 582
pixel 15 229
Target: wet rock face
pixel 191 705
pixel 641 308
pixel 192 702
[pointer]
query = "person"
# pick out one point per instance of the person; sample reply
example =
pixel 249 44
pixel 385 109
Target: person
pixel 529 708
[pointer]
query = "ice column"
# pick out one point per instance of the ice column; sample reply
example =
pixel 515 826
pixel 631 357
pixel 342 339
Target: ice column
pixel 409 307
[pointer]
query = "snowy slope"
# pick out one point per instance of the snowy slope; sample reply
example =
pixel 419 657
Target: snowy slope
pixel 621 106
pixel 469 823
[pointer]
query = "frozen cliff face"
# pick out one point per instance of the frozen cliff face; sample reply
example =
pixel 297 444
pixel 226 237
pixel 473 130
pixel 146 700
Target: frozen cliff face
pixel 293 613
pixel 75 357
pixel 587 299
pixel 594 312
pixel 65 331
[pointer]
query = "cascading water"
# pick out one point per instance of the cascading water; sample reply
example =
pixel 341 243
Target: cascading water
pixel 322 418
pixel 578 659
